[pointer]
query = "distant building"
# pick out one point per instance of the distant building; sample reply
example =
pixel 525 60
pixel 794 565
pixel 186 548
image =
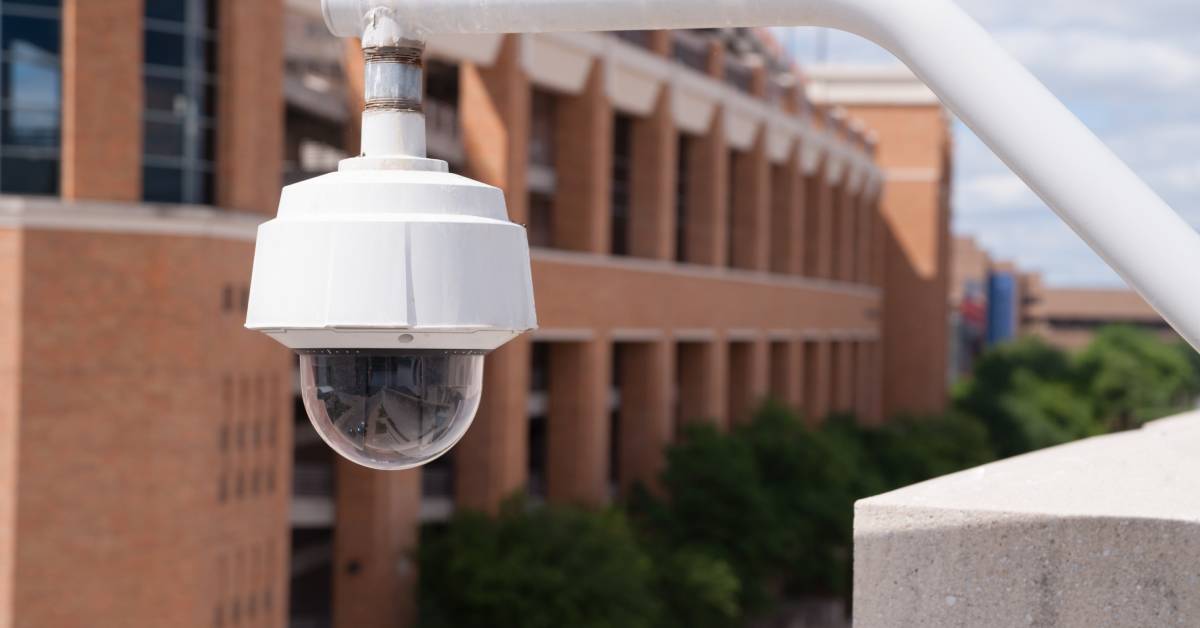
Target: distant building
pixel 970 283
pixel 996 302
pixel 1069 318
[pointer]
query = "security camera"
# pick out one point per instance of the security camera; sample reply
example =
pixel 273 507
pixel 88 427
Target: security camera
pixel 392 279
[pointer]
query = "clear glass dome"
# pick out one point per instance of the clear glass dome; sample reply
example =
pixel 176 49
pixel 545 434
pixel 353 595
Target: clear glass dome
pixel 391 409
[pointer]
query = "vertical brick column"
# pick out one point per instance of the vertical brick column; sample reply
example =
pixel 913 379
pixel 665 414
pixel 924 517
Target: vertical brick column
pixel 491 461
pixel 583 167
pixel 11 270
pixel 848 238
pixel 879 242
pixel 577 441
pixel 877 397
pixel 749 378
pixel 787 373
pixel 866 237
pixel 818 224
pixel 818 374
pixel 102 100
pixel 494 111
pixel 751 236
pixel 827 215
pixel 374 577
pixel 708 197
pixel 652 182
pixel 494 105
pixel 787 217
pixel 847 380
pixel 249 151
pixel 863 379
pixel 702 373
pixel 833 230
pixel 660 43
pixel 647 425
pixel 352 67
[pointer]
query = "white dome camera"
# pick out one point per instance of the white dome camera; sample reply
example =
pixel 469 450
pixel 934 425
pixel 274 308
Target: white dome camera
pixel 391 278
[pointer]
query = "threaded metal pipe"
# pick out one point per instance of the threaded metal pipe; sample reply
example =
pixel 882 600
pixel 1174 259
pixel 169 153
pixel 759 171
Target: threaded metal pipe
pixel 394 77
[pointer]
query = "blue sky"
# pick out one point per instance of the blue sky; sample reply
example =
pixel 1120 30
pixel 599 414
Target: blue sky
pixel 1130 70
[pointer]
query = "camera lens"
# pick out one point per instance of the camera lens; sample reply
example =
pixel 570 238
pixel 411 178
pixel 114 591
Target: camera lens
pixel 391 409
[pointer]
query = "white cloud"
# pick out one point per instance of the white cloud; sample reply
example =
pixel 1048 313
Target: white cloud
pixel 1087 58
pixel 1130 70
pixel 993 191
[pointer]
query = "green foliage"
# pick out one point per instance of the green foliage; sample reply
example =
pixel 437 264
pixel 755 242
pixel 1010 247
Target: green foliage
pixel 1031 395
pixel 774 498
pixel 719 506
pixel 1193 359
pixel 697 590
pixel 911 449
pixel 813 477
pixel 1023 392
pixel 764 512
pixel 539 568
pixel 1133 377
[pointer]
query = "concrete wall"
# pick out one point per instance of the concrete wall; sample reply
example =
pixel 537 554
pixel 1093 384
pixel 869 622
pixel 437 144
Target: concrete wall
pixel 1101 532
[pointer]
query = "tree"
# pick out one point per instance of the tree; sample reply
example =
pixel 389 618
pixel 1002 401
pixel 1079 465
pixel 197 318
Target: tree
pixel 717 505
pixel 537 568
pixel 1024 393
pixel 911 449
pixel 1133 377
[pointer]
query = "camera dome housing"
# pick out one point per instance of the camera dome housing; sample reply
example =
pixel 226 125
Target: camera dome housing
pixel 389 408
pixel 392 279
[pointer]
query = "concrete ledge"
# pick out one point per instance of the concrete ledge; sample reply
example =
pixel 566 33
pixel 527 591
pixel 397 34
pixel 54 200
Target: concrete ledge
pixel 1102 532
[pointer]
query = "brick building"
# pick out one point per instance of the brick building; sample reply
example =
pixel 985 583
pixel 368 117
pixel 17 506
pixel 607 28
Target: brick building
pixel 915 154
pixel 145 437
pixel 704 236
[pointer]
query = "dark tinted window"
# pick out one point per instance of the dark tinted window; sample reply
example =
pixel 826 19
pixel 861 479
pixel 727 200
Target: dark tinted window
pixel 22 35
pixel 171 10
pixel 29 175
pixel 165 49
pixel 30 96
pixel 180 97
pixel 162 185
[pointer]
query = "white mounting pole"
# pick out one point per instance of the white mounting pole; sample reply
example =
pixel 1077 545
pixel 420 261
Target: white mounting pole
pixel 1097 195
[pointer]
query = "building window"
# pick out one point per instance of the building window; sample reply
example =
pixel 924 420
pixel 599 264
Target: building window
pixel 733 214
pixel 442 124
pixel 539 393
pixel 641 39
pixel 542 176
pixel 621 166
pixel 30 96
pixel 691 49
pixel 682 196
pixel 179 77
pixel 738 74
pixel 614 418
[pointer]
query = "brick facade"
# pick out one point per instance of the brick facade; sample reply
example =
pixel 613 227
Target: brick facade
pixel 102 99
pixel 152 474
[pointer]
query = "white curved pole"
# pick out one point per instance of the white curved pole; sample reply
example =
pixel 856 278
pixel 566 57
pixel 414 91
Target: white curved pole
pixel 1097 195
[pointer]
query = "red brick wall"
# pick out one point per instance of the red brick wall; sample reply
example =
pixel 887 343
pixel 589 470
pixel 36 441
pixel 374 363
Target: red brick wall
pixel 102 99
pixel 154 469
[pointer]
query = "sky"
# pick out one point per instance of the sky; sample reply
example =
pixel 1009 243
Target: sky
pixel 1130 70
